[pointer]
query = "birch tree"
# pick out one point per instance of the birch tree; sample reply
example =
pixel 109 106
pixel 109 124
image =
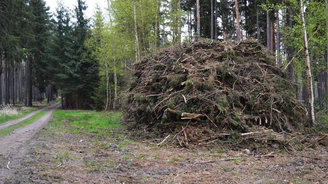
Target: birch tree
pixel 198 17
pixel 308 65
pixel 137 50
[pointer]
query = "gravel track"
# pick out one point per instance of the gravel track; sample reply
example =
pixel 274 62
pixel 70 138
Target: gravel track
pixel 12 149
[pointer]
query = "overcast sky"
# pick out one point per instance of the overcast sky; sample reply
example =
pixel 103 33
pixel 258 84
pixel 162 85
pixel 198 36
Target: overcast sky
pixel 72 3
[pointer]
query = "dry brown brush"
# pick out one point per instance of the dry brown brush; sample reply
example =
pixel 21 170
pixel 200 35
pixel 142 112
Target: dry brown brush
pixel 209 87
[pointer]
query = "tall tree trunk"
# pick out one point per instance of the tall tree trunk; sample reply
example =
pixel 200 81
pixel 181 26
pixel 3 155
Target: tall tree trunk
pixel 268 31
pixel 189 26
pixel 157 25
pixel 257 25
pixel 246 18
pixel 115 79
pixel 26 84
pixel 13 84
pixel 277 39
pixel 289 49
pixel 21 83
pixel 107 88
pixel 224 34
pixel 212 20
pixel 0 78
pixel 9 85
pixel 47 94
pixel 320 88
pixel 180 23
pixel 7 81
pixel 17 84
pixel 215 20
pixel 308 66
pixel 29 82
pixel 239 35
pixel 115 86
pixel 137 50
pixel 198 18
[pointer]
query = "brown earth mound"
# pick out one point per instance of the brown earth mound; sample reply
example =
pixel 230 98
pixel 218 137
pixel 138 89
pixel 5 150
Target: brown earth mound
pixel 207 87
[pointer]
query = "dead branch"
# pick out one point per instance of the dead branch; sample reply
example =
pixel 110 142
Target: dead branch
pixel 321 138
pixel 160 144
pixel 190 116
pixel 251 133
pixel 290 62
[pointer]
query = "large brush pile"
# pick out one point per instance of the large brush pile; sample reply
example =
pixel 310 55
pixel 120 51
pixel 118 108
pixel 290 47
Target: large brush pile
pixel 209 87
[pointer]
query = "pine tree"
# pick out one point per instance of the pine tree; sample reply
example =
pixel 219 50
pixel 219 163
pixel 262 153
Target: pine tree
pixel 41 31
pixel 61 64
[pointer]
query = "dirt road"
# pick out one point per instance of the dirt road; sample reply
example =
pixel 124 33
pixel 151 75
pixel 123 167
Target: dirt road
pixel 65 152
pixel 28 116
pixel 12 145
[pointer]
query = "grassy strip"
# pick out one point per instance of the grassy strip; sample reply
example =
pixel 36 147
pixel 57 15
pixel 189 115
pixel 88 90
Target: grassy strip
pixel 23 123
pixel 98 123
pixel 5 118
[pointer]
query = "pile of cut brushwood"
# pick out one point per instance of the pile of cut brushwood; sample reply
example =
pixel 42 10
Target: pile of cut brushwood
pixel 208 90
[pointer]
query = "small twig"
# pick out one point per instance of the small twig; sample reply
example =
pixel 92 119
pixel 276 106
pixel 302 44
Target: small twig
pixel 160 144
pixel 290 140
pixel 276 110
pixel 182 130
pixel 168 97
pixel 251 133
pixel 184 98
pixel 185 59
pixel 179 141
pixel 211 120
pixel 8 165
pixel 59 165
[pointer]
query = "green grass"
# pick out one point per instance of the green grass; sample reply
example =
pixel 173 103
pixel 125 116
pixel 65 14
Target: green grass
pixel 5 118
pixel 23 123
pixel 99 123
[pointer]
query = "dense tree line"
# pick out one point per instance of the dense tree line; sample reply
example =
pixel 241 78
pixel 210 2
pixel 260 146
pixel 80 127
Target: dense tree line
pixel 24 31
pixel 90 61
pixel 40 54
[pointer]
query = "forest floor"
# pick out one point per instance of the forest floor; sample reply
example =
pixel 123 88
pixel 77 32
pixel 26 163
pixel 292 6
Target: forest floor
pixel 72 148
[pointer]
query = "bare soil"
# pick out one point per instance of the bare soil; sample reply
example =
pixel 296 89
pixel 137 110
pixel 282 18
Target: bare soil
pixel 54 155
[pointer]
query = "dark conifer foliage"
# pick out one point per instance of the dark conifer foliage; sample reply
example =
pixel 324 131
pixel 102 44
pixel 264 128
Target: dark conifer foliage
pixel 24 28
pixel 74 72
